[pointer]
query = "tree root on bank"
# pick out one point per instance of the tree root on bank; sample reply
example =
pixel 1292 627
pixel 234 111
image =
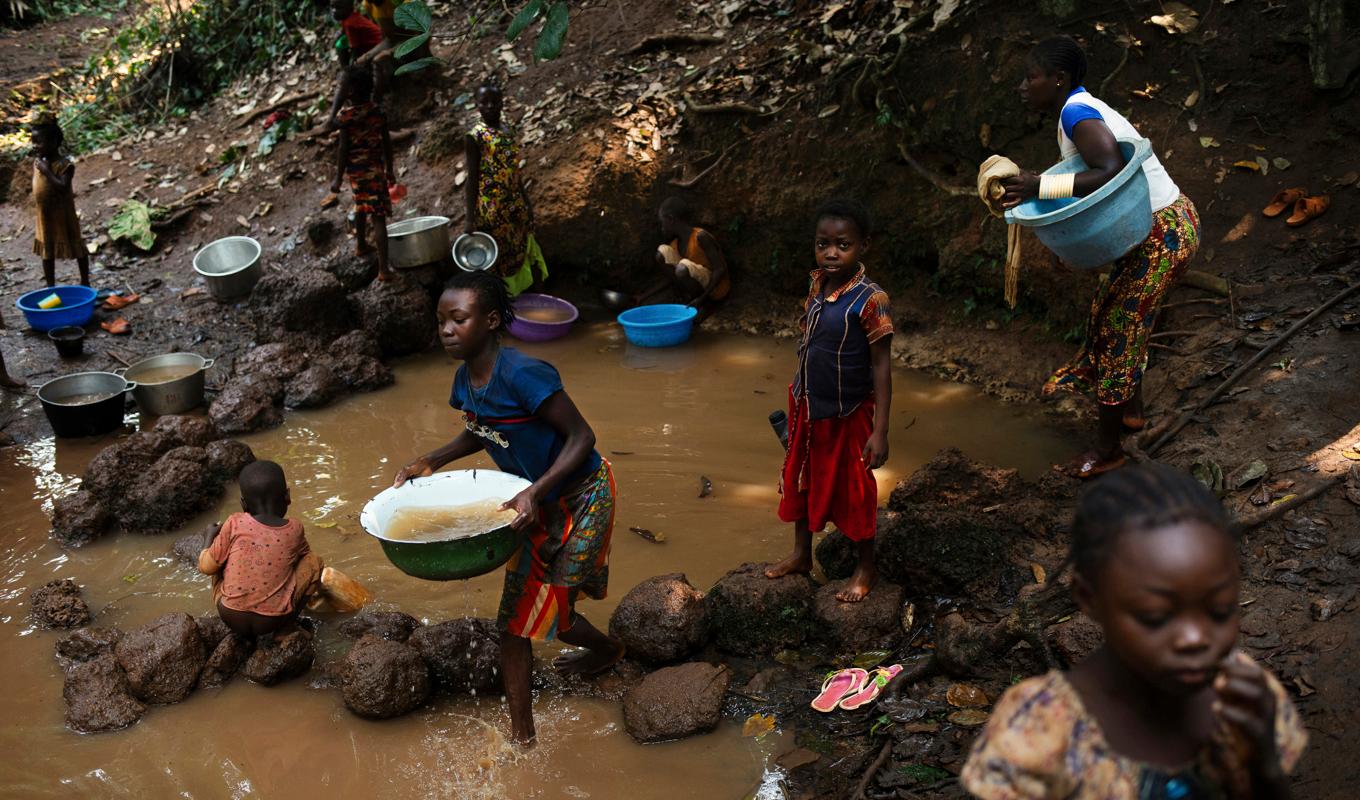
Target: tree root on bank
pixel 938 181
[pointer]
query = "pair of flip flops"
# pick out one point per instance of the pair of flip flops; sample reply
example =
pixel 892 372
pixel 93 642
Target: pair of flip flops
pixel 1304 206
pixel 853 688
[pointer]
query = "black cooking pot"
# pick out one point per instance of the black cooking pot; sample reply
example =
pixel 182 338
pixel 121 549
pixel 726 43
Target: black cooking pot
pixel 85 403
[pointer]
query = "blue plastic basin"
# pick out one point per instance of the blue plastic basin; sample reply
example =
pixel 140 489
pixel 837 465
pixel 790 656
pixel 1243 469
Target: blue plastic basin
pixel 661 325
pixel 77 306
pixel 1092 231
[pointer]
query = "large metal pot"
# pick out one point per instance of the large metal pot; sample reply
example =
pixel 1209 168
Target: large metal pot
pixel 417 241
pixel 84 403
pixel 231 266
pixel 453 559
pixel 168 384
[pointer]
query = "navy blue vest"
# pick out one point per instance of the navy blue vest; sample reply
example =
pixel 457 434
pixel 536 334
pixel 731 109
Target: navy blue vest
pixel 834 370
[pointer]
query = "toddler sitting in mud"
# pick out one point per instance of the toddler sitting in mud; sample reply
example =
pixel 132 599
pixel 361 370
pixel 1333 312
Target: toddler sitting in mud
pixel 263 571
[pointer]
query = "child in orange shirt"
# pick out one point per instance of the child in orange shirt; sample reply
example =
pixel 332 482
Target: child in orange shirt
pixel 263 571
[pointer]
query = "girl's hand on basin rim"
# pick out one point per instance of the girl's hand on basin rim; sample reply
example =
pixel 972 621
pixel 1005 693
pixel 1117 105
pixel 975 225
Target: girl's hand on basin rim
pixel 525 505
pixel 1020 188
pixel 419 468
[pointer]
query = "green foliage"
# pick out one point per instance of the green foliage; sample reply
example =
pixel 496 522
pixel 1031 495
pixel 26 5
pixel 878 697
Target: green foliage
pixel 553 33
pixel 278 132
pixel 133 222
pixel 880 724
pixel 414 15
pixel 17 13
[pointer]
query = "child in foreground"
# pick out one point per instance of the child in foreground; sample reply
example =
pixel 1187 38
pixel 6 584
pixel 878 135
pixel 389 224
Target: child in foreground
pixel 693 261
pixel 516 409
pixel 1168 708
pixel 56 230
pixel 839 401
pixel 263 571
pixel 365 155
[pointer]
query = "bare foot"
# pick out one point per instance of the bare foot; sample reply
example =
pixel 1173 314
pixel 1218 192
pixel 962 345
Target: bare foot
pixel 1134 422
pixel 796 564
pixel 10 383
pixel 861 583
pixel 589 662
pixel 1092 464
pixel 387 275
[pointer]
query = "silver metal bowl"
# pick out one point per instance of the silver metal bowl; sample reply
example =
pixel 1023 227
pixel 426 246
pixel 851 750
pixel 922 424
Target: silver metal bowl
pixel 473 252
pixel 231 266
pixel 417 241
pixel 157 397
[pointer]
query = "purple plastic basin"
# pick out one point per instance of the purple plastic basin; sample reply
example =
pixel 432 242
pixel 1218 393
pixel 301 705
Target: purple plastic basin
pixel 542 318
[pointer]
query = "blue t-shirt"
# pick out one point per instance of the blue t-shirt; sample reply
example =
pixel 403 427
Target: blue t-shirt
pixel 1075 111
pixel 503 415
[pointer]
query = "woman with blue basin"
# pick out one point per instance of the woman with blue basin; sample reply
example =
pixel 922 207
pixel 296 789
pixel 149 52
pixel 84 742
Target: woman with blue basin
pixel 1113 355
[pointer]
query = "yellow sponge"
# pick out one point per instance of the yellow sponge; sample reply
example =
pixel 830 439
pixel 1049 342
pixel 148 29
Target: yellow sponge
pixel 51 301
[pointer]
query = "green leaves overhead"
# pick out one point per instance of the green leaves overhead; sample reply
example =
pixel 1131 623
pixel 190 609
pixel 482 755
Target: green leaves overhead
pixel 417 65
pixel 551 36
pixel 414 15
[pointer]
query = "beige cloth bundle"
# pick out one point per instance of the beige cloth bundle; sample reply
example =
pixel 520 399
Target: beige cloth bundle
pixel 990 189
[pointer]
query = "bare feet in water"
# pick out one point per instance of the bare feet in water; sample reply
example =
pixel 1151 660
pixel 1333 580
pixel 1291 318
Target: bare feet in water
pixel 798 563
pixel 586 662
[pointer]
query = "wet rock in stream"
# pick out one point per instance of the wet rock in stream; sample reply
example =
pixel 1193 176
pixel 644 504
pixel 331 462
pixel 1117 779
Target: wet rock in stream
pixel 211 629
pixel 676 702
pixel 58 604
pixel 183 429
pixel 464 655
pixel 871 624
pixel 277 360
pixel 301 300
pixel 355 344
pixel 398 314
pixel 80 518
pixel 187 548
pixel 662 619
pixel 84 644
pixel 394 626
pixel 172 492
pixel 364 373
pixel 380 679
pixel 245 407
pixel 162 659
pixel 227 457
pixel 313 387
pixel 750 614
pixel 97 696
pixel 283 658
pixel 114 469
pixel 224 661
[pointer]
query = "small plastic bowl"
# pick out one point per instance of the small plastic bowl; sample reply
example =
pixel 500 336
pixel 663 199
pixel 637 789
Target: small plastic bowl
pixel 531 330
pixel 661 325
pixel 69 339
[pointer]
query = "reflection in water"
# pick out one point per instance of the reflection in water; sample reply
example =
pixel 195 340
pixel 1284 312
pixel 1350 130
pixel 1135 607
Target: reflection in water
pixel 663 417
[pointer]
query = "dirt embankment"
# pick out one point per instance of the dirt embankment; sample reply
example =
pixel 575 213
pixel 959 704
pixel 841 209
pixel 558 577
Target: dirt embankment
pixel 894 105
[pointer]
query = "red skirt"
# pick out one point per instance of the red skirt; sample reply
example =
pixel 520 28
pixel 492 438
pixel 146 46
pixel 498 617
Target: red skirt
pixel 825 478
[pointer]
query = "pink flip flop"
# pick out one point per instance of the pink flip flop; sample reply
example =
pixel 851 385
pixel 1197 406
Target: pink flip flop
pixel 871 689
pixel 839 685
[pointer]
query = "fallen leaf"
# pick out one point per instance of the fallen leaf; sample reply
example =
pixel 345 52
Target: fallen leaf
pixel 1040 576
pixel 1281 163
pixel 908 617
pixel 1254 471
pixel 330 200
pixel 1179 18
pixel 649 535
pixel 1251 165
pixel 1208 141
pixel 870 658
pixel 1263 164
pixel 193 292
pixel 1192 99
pixel 962 695
pixel 757 725
pixel 969 717
pixel 1350 455
pixel 242 221
pixel 828 111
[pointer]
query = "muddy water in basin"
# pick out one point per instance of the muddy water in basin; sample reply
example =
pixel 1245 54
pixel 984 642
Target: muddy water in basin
pixel 663 417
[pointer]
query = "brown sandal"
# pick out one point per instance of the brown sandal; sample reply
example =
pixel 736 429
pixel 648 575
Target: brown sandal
pixel 1308 208
pixel 1285 199
pixel 1089 465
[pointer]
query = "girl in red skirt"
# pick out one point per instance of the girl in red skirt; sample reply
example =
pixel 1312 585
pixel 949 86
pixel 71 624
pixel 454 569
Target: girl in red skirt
pixel 839 401
pixel 365 155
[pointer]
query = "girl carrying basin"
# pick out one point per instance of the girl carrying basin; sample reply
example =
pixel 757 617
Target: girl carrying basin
pixel 1114 353
pixel 516 409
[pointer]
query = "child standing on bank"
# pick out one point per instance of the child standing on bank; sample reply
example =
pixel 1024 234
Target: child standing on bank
pixel 839 401
pixel 1168 708
pixel 56 231
pixel 365 155
pixel 263 570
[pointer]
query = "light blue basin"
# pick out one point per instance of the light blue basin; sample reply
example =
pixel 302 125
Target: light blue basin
pixel 1092 231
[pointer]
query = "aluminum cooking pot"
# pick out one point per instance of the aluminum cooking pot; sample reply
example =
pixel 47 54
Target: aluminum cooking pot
pixel 417 241
pixel 168 384
pixel 84 403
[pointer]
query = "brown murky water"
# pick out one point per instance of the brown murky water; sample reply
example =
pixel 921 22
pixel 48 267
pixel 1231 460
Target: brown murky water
pixel 664 417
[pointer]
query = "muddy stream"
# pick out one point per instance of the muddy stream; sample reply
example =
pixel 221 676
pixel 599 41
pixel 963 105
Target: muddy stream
pixel 664 418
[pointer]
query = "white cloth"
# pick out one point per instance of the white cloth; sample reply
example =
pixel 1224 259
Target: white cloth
pixel 1162 190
